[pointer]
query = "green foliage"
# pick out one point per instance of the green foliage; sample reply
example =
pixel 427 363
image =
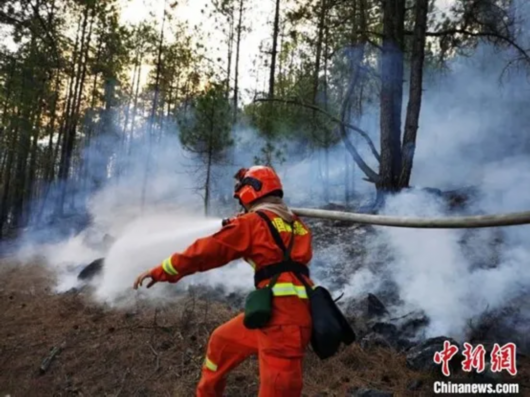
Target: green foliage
pixel 206 130
pixel 270 154
pixel 77 72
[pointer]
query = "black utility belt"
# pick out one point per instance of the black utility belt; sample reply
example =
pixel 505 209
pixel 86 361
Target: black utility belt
pixel 270 271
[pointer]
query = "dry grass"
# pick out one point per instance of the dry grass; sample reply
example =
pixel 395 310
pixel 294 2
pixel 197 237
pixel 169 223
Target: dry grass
pixel 148 352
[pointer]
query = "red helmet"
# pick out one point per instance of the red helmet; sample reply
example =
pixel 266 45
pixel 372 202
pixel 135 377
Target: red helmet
pixel 256 182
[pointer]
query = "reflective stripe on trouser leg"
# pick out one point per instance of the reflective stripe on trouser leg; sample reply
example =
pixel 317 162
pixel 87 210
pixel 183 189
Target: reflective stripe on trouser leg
pixel 210 364
pixel 229 345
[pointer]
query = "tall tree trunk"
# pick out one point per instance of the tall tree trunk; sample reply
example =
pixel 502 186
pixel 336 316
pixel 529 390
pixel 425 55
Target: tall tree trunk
pixel 153 110
pixel 318 55
pixel 30 181
pixel 238 47
pixel 268 149
pixel 49 162
pixel 207 183
pixel 85 47
pixel 50 130
pixel 63 167
pixel 8 90
pixel 30 187
pixel 209 161
pixel 391 97
pixel 136 72
pixel 20 167
pixel 124 136
pixel 68 139
pixel 31 104
pixel 281 63
pixel 274 50
pixel 415 92
pixel 230 50
pixel 6 194
pixel 135 107
pixel 86 167
pixel 326 58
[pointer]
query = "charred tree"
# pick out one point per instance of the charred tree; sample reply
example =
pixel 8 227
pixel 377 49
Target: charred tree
pixel 391 96
pixel 415 92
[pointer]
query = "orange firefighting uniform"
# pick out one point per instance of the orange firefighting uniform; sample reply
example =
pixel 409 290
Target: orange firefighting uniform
pixel 280 346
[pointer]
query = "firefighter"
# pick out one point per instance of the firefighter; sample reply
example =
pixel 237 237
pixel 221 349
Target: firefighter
pixel 280 344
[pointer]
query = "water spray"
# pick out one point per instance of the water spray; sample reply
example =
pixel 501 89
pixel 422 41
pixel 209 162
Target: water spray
pixel 466 222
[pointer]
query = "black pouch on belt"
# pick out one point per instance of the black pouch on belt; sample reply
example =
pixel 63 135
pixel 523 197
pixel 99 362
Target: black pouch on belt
pixel 258 306
pixel 330 327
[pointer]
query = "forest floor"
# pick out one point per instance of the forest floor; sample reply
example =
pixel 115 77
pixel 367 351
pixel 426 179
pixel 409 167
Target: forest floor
pixel 154 352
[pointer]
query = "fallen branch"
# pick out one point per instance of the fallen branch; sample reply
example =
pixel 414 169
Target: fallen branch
pixel 157 366
pixel 48 360
pixel 401 317
pixel 123 382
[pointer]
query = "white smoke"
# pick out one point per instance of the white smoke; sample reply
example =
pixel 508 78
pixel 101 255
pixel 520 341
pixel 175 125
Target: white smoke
pixel 471 133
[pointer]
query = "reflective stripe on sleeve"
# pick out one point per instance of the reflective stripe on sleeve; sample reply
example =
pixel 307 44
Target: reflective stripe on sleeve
pixel 168 267
pixel 210 365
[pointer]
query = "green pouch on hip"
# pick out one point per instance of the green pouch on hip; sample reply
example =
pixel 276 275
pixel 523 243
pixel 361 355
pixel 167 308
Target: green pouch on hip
pixel 258 306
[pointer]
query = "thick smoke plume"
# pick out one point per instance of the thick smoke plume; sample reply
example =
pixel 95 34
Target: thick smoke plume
pixel 471 134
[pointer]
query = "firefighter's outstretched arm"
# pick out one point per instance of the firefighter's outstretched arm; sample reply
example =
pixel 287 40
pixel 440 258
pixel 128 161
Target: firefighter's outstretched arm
pixel 230 243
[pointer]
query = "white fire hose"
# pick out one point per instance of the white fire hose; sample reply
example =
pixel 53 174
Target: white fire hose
pixel 465 222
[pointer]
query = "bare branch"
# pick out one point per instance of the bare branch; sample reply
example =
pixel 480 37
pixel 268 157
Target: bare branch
pixel 123 382
pixel 371 174
pixel 335 119
pixel 522 52
pixel 344 113
pixel 157 356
